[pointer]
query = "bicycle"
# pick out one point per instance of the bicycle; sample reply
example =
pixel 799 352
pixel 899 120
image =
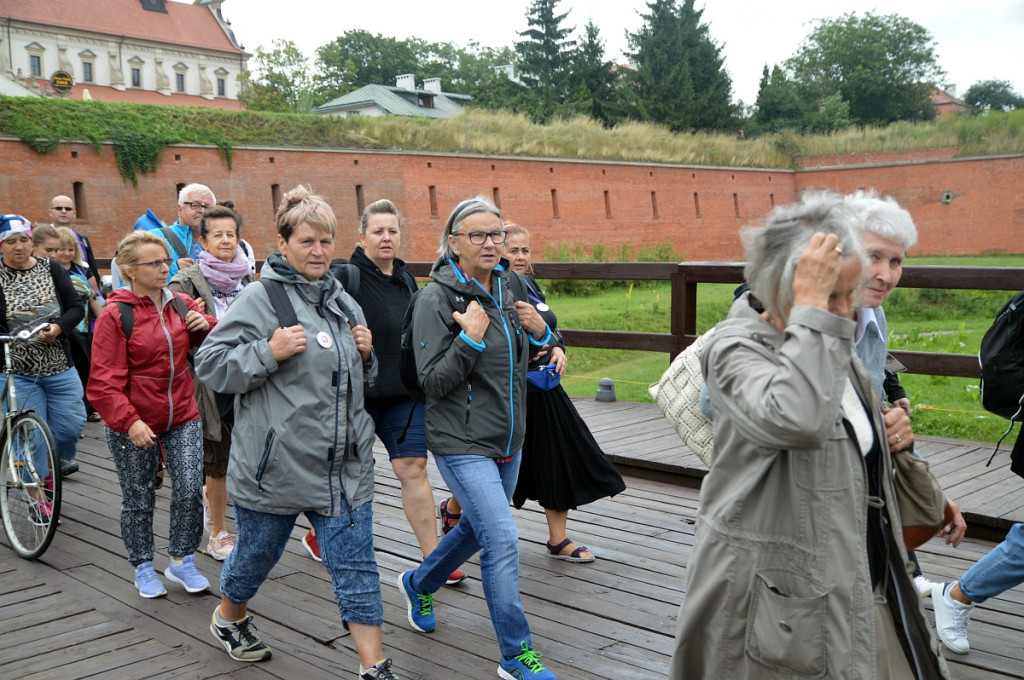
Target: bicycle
pixel 30 483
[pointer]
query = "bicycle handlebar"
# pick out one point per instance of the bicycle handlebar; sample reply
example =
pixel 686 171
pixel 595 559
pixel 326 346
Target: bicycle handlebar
pixel 25 333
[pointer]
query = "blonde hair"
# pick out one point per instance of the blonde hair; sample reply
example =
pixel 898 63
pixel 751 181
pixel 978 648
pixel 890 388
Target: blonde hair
pixel 514 229
pixel 68 238
pixel 128 249
pixel 300 205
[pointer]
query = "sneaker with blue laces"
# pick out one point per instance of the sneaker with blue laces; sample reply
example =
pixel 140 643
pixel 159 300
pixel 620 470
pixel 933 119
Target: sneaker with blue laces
pixel 148 582
pixel 421 606
pixel 526 666
pixel 187 575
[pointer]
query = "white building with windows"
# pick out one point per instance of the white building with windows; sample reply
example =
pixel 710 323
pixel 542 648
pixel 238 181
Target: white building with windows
pixel 147 51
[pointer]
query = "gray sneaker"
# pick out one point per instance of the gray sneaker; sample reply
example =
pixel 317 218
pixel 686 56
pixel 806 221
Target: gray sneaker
pixel 951 620
pixel 239 640
pixel 381 671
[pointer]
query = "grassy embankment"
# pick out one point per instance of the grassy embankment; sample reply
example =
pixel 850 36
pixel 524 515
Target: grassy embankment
pixel 925 320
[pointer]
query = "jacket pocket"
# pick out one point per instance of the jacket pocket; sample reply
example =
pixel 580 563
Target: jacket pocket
pixel 786 625
pixel 268 446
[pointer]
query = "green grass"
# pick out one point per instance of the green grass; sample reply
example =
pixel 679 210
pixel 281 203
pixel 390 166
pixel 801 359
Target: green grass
pixel 931 321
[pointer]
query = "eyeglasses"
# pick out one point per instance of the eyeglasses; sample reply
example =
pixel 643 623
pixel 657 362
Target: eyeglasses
pixel 198 207
pixel 166 262
pixel 63 208
pixel 477 238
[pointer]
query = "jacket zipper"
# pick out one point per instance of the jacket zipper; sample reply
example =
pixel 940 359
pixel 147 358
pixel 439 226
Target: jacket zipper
pixel 170 377
pixel 511 362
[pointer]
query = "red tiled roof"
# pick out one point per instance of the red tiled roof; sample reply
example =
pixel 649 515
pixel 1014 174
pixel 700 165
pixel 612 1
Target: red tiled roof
pixel 184 24
pixel 103 93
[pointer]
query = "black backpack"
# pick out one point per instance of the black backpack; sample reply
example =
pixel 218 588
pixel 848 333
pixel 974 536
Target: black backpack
pixel 349 277
pixel 128 315
pixel 407 358
pixel 1002 362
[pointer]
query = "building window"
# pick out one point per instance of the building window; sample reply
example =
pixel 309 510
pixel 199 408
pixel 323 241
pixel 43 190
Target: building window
pixel 136 77
pixel 222 87
pixel 179 81
pixel 35 65
pixel 87 71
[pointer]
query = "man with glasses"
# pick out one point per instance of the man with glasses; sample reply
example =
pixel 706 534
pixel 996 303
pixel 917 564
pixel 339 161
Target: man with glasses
pixel 183 236
pixel 62 213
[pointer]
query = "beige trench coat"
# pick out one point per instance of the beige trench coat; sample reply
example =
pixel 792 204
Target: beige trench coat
pixel 779 584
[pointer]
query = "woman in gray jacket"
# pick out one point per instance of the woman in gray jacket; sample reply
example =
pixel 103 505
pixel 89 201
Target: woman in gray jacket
pixel 302 441
pixel 472 337
pixel 796 570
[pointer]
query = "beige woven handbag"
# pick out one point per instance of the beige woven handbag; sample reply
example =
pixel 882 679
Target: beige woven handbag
pixel 677 394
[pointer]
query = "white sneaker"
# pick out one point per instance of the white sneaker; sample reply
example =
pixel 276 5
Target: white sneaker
pixel 220 546
pixel 924 586
pixel 951 619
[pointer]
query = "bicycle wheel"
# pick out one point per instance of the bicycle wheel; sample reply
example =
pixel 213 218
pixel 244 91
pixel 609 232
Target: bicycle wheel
pixel 30 486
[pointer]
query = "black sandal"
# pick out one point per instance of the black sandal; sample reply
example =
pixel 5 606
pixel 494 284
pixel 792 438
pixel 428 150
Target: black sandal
pixel 448 519
pixel 555 552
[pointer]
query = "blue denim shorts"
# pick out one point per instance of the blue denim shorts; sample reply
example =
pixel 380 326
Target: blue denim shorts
pixel 392 422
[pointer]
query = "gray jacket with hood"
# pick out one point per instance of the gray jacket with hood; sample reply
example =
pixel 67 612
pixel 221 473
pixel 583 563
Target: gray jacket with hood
pixel 475 394
pixel 302 437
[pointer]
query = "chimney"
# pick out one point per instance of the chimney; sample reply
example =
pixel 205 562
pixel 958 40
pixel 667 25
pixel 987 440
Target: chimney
pixel 432 85
pixel 406 81
pixel 154 5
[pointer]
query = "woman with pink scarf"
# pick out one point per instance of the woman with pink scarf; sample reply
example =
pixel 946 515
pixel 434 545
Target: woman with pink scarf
pixel 216 278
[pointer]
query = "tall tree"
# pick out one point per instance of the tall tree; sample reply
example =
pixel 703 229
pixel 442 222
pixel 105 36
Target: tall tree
pixel 358 58
pixel 680 78
pixel 993 95
pixel 544 55
pixel 779 104
pixel 280 82
pixel 882 65
pixel 592 77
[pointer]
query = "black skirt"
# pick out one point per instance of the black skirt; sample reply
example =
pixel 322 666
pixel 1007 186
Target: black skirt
pixel 562 467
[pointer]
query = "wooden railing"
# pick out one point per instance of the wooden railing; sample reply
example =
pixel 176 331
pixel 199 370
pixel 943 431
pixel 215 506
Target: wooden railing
pixel 685 276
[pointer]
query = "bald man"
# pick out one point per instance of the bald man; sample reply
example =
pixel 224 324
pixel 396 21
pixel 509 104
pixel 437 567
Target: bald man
pixel 62 214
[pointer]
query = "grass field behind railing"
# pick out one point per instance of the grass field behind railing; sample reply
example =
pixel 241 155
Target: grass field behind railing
pixel 924 320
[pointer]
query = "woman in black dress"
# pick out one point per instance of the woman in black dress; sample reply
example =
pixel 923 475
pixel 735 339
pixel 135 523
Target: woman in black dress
pixel 563 467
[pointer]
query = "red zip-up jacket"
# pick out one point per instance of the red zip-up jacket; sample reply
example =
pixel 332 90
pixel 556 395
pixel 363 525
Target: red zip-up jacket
pixel 150 378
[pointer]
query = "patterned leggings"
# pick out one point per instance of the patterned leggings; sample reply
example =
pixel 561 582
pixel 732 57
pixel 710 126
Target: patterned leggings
pixel 136 468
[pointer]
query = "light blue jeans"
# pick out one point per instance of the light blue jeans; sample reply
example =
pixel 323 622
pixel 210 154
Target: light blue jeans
pixel 998 571
pixel 58 400
pixel 346 546
pixel 483 488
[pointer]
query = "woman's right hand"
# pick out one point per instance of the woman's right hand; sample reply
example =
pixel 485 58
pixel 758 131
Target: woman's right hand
pixel 474 321
pixel 817 271
pixel 141 435
pixel 286 342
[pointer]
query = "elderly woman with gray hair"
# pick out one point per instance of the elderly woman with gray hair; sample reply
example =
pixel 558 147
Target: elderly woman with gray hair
pixel 796 570
pixel 473 334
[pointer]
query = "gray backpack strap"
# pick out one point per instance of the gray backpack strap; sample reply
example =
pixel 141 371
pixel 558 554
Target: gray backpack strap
pixel 179 248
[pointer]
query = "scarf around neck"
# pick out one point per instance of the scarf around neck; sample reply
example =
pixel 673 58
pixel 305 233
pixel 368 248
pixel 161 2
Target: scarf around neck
pixel 224 277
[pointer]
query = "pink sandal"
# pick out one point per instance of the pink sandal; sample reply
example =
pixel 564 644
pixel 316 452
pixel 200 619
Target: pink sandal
pixel 448 519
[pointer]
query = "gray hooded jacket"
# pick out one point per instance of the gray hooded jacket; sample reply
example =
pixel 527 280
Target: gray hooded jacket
pixel 302 437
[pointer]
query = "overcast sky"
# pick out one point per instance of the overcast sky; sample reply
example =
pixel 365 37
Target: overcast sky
pixel 975 39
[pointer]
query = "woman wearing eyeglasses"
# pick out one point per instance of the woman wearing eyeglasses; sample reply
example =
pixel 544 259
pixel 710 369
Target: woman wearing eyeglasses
pixel 473 334
pixel 141 384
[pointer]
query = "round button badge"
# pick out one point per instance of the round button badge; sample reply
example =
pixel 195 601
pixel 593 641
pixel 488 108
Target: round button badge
pixel 323 338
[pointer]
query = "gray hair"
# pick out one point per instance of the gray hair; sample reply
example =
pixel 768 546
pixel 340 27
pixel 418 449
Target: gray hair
pixel 882 216
pixel 190 189
pixel 463 210
pixel 774 249
pixel 381 207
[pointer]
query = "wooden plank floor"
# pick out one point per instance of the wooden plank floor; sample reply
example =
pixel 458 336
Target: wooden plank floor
pixel 76 614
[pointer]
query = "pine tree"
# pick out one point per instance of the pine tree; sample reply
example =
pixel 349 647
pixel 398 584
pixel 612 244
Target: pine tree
pixel 544 56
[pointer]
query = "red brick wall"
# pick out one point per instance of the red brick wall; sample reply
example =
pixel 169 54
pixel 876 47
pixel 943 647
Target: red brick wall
pixel 986 194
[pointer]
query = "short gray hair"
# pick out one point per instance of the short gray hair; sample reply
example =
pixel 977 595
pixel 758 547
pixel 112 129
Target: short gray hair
pixel 882 216
pixel 470 206
pixel 774 249
pixel 190 189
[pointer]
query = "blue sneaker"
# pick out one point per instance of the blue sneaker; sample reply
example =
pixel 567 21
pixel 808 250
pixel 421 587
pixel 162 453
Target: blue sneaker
pixel 148 582
pixel 421 607
pixel 526 666
pixel 187 575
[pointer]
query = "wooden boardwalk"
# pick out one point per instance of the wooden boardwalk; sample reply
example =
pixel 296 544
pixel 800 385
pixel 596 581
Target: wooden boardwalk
pixel 75 613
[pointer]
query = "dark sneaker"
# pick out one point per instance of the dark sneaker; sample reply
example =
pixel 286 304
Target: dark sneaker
pixel 239 641
pixel 526 666
pixel 381 671
pixel 421 606
pixel 187 575
pixel 68 467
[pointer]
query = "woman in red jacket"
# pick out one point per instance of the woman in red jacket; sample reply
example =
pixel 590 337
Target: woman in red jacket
pixel 141 385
